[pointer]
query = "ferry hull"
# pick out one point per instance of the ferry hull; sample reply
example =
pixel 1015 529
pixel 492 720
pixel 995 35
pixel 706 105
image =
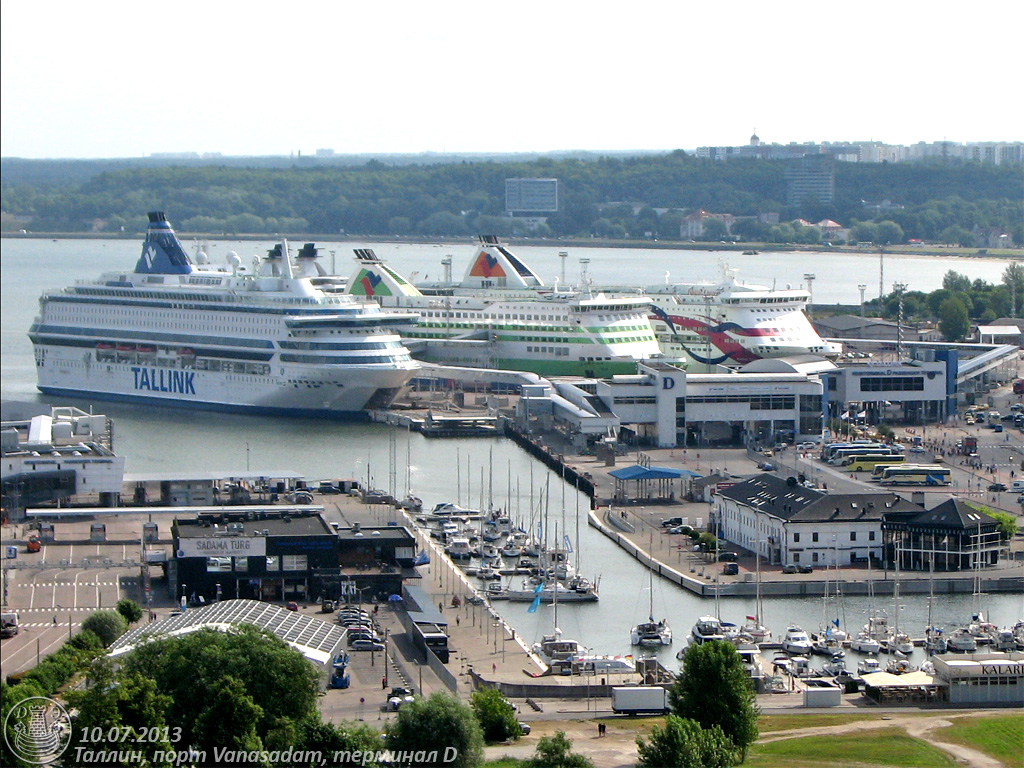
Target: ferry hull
pixel 323 393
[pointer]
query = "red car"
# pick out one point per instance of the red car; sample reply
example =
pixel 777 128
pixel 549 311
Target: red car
pixel 292 606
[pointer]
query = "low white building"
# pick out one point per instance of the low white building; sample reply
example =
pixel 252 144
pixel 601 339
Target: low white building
pixel 56 456
pixel 790 524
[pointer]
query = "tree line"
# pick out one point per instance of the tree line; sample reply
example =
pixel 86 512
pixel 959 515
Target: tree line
pixel 958 304
pixel 219 697
pixel 641 197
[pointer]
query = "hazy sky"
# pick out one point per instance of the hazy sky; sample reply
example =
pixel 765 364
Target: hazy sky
pixel 127 79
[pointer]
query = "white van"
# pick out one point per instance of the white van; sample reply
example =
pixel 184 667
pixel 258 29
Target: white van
pixel 1017 486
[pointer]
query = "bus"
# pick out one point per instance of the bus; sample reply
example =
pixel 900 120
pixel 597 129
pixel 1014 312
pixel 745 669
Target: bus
pixel 917 474
pixel 828 451
pixel 843 454
pixel 871 460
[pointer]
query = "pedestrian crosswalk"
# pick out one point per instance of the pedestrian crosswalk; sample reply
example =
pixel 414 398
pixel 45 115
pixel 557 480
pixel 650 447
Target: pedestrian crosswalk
pixel 45 624
pixel 27 584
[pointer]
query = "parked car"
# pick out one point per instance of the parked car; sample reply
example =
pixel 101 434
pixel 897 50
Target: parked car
pixel 997 428
pixel 292 606
pixel 524 728
pixel 797 569
pixel 727 557
pixel 807 446
pixel 997 487
pixel 366 645
pixel 730 569
pixel 766 466
pixel 672 522
pixel 398 697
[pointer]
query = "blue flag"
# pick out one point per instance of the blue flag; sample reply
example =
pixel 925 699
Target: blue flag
pixel 536 600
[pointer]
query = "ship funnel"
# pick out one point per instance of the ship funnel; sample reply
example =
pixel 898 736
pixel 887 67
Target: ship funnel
pixel 162 253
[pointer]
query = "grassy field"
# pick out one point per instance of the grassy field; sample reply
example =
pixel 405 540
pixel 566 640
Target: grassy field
pixel 1001 736
pixel 888 747
pixel 776 723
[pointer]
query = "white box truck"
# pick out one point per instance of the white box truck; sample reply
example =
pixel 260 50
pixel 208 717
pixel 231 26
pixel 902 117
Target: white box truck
pixel 640 699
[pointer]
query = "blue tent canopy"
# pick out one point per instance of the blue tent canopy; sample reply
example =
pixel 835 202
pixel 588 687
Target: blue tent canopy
pixel 651 482
pixel 637 472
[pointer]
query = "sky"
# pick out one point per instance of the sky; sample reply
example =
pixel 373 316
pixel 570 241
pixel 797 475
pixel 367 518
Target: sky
pixel 127 79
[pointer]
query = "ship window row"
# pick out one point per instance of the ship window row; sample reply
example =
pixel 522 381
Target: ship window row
pixel 638 400
pixel 228 366
pixel 342 359
pixel 556 351
pixel 109 335
pixel 201 303
pixel 339 345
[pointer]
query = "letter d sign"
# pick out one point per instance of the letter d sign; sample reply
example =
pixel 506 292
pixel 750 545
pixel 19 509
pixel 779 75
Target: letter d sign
pixel 668 383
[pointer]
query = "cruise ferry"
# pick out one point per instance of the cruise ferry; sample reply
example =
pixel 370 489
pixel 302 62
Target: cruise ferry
pixel 260 339
pixel 501 315
pixel 731 323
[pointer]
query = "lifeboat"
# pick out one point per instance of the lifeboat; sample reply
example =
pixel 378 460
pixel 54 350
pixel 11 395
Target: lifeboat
pixel 125 347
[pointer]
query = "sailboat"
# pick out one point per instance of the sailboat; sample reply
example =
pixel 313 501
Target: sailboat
pixel 753 627
pixel 651 632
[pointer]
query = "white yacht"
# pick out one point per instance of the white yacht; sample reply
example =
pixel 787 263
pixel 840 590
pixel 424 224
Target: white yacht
pixel 256 339
pixel 706 629
pixel 796 642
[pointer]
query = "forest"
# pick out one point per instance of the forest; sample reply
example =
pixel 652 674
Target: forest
pixel 607 197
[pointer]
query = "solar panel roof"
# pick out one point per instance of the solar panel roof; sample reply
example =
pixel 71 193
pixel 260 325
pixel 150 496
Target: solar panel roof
pixel 313 637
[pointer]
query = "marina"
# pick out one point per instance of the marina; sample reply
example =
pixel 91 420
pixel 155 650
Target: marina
pixel 457 471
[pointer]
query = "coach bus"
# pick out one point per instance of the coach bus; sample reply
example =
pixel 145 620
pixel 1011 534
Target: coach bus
pixel 916 474
pixel 871 460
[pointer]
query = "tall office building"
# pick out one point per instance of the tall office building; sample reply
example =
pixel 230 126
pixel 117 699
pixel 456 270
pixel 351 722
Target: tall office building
pixel 811 177
pixel 531 195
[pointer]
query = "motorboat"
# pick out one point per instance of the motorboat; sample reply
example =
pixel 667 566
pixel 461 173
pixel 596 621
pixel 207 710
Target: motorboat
pixel 706 629
pixel 495 591
pixel 796 641
pixel 868 665
pixel 961 641
pixel 458 548
pixel 511 551
pixel 898 667
pixel 834 666
pixel 864 643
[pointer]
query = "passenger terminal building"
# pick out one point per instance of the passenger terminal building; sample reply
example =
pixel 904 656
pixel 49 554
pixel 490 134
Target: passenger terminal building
pixel 787 399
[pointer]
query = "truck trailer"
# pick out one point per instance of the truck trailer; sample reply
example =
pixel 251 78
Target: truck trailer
pixel 640 699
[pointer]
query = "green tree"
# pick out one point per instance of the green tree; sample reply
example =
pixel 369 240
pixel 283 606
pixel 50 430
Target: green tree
pixel 556 752
pixel 682 743
pixel 956 282
pixel 107 625
pixel 438 724
pixel 889 232
pixel 713 688
pixel 495 714
pixel 129 609
pixel 1013 279
pixel 281 684
pixel 125 706
pixel 227 718
pixel 954 323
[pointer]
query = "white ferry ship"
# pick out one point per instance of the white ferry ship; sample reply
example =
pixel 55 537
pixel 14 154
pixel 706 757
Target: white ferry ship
pixel 731 323
pixel 503 316
pixel 262 339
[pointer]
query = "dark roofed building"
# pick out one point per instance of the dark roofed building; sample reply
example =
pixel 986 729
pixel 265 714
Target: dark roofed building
pixel 953 536
pixel 791 524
